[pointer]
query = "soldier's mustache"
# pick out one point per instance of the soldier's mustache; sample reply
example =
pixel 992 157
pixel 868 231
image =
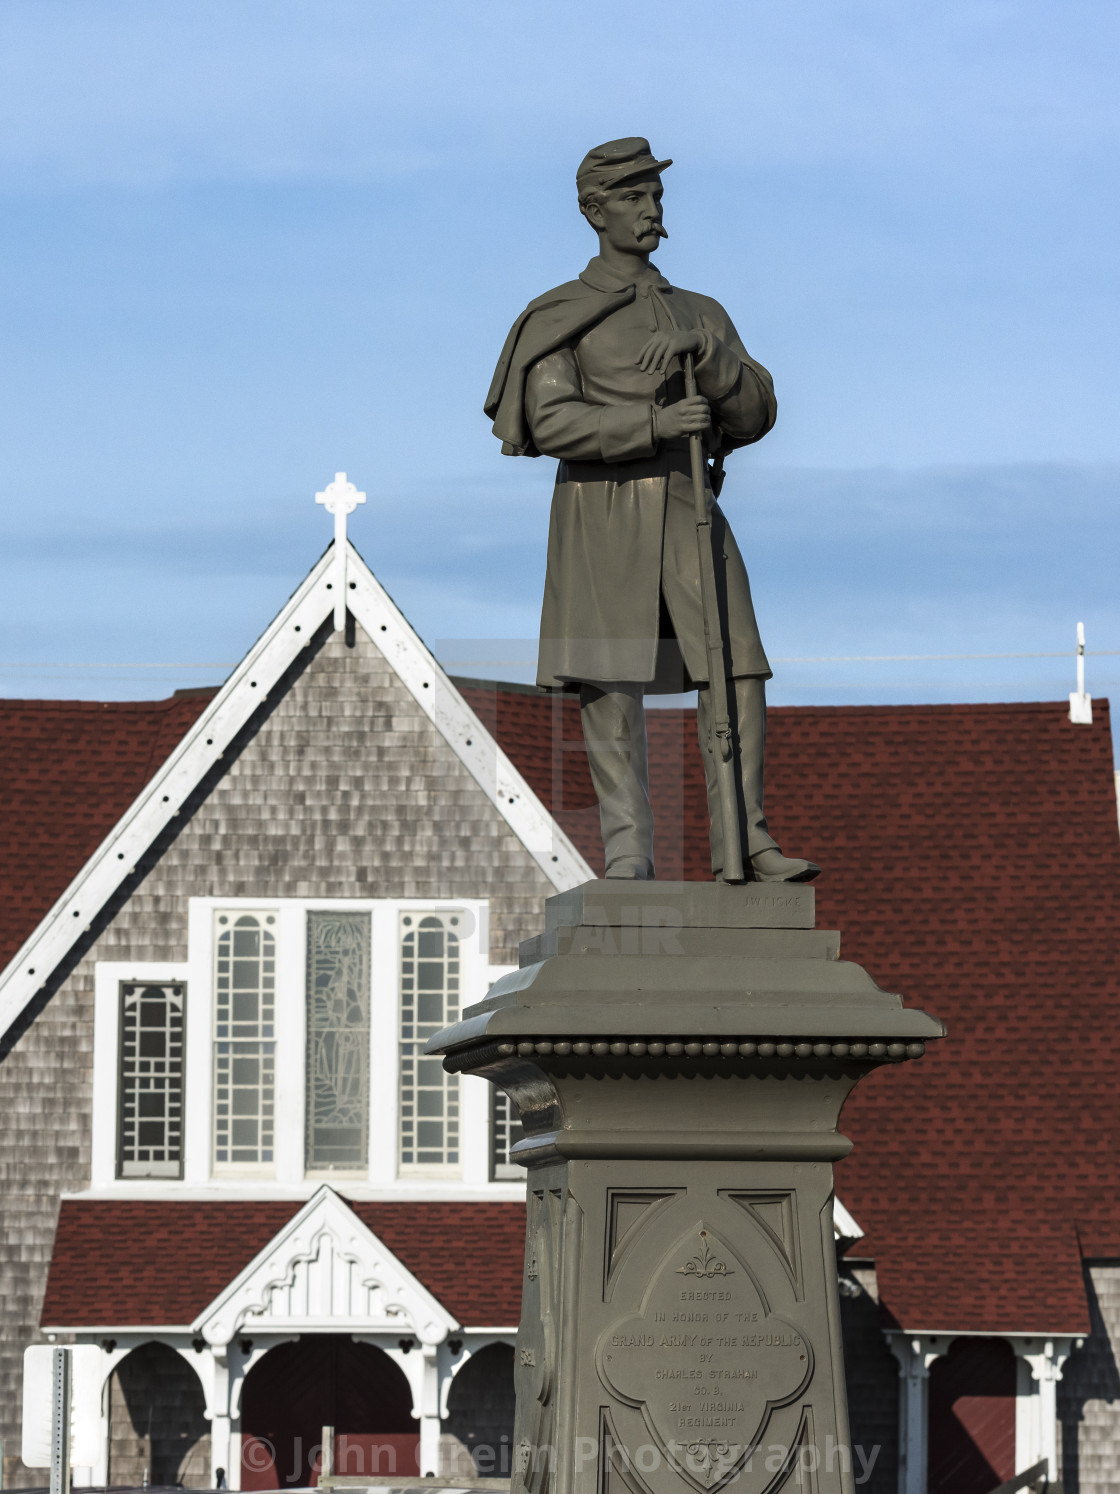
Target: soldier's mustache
pixel 647 225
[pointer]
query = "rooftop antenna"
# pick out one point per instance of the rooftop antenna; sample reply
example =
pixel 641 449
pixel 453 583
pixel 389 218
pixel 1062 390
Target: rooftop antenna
pixel 341 498
pixel 1080 704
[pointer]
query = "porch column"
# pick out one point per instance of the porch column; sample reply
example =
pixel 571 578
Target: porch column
pixel 915 1354
pixel 428 1409
pixel 215 1376
pixel 1036 1406
pixel 419 1360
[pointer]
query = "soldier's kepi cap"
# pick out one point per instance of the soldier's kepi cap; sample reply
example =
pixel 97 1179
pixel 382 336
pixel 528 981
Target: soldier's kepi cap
pixel 617 161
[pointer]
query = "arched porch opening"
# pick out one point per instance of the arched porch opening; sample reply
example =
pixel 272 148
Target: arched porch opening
pixel 158 1432
pixel 972 1417
pixel 478 1432
pixel 325 1379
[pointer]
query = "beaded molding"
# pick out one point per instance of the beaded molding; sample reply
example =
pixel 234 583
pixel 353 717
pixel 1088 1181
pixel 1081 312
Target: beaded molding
pixel 709 1048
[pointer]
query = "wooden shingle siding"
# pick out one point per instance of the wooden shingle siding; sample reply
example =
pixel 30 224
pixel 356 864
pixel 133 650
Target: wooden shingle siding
pixel 872 1375
pixel 45 1094
pixel 1089 1390
pixel 345 789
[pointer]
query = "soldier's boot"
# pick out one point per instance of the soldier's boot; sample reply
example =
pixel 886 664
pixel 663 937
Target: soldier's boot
pixel 747 702
pixel 614 729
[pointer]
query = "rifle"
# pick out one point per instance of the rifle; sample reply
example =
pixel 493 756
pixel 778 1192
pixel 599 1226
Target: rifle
pixel 721 743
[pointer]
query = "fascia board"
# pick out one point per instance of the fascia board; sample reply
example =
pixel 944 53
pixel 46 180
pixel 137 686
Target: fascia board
pixel 89 1330
pixel 1014 1336
pixel 326 1203
pixel 160 801
pixel 205 743
pixel 464 733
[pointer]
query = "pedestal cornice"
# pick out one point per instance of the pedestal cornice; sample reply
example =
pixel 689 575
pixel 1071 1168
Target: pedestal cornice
pixel 679 1054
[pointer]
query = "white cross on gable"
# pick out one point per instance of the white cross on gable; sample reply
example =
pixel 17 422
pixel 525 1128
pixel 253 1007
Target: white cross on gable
pixel 340 498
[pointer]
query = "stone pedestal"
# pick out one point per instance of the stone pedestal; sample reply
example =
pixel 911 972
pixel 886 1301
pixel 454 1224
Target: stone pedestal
pixel 680 1053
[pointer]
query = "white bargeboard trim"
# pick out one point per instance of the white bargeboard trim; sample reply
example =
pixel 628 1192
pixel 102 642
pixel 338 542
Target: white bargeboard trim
pixel 204 745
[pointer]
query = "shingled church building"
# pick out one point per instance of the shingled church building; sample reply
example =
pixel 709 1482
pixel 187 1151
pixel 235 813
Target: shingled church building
pixel 232 918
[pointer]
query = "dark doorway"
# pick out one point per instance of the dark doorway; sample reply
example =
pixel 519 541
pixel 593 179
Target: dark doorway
pixel 972 1417
pixel 478 1432
pixel 158 1432
pixel 325 1380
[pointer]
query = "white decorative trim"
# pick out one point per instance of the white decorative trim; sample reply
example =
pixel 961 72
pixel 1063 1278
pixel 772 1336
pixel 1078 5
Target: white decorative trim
pixel 202 748
pixel 246 1190
pixel 154 809
pixel 1041 1358
pixel 340 498
pixel 915 1354
pixel 844 1226
pixel 1041 1362
pixel 222 1368
pixel 325 1271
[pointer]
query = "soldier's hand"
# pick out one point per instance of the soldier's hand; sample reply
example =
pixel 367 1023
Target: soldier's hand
pixel 662 347
pixel 683 418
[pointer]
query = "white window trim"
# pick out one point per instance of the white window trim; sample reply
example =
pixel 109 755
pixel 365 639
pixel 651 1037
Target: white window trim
pixel 474 982
pixel 107 978
pixel 204 744
pixel 495 973
pixel 279 923
pixel 288 1175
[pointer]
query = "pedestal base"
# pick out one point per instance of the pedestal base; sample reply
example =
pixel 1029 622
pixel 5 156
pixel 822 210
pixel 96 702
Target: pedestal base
pixel 679 1053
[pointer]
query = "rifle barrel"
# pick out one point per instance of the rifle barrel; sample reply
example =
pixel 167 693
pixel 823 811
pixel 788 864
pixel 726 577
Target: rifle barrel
pixel 721 741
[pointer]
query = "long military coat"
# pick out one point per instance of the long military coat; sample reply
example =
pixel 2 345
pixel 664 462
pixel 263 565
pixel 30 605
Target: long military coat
pixel 622 587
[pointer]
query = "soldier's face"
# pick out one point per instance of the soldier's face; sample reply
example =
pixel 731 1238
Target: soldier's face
pixel 629 217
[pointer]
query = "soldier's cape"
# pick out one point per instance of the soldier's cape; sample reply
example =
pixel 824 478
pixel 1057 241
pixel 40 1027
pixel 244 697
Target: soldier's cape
pixel 545 325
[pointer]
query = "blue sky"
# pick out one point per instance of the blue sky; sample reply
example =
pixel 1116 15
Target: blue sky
pixel 247 244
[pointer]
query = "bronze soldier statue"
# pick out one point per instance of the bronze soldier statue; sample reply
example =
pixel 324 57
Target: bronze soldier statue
pixel 593 373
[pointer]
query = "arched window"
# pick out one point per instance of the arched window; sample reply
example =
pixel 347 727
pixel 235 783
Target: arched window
pixel 338 986
pixel 151 1080
pixel 429 979
pixel 245 1043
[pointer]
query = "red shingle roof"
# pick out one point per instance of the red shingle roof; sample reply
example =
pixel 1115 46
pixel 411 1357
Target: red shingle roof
pixel 144 1263
pixel 69 770
pixel 971 861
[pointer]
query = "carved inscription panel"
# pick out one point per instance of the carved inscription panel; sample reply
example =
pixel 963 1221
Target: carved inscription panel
pixel 703 1356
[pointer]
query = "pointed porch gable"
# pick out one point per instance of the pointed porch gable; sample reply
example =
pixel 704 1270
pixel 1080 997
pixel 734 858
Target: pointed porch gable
pixel 325 1272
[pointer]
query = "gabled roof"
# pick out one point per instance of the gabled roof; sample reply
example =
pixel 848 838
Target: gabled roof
pixel 69 769
pixel 325 1270
pixel 972 862
pixel 166 1264
pixel 169 786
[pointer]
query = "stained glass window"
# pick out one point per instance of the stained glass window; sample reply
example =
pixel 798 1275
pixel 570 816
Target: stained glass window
pixel 338 979
pixel 505 1129
pixel 245 1043
pixel 151 1080
pixel 430 960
